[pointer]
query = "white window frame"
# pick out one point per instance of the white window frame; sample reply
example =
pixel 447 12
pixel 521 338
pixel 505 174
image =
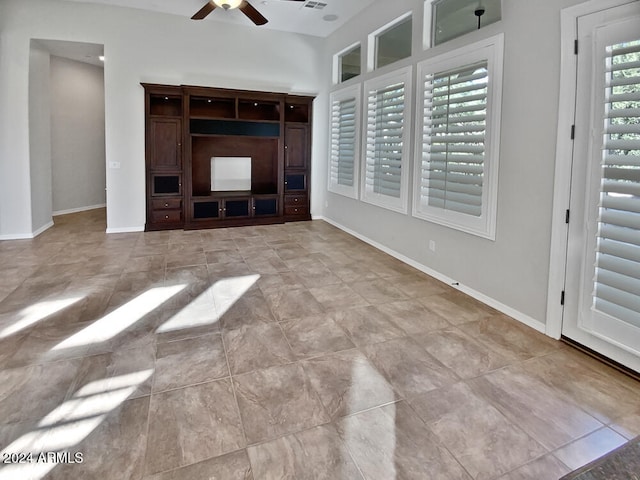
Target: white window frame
pixel 337 63
pixel 427 24
pixel 372 41
pixel 352 92
pixel 491 51
pixel 398 204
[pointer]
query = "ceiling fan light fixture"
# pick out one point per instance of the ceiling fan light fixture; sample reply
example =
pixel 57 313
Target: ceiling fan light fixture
pixel 228 4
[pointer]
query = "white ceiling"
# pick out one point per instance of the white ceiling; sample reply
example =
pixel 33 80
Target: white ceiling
pixel 78 51
pixel 288 16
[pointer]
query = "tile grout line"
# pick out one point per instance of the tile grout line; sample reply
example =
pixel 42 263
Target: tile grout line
pixel 235 396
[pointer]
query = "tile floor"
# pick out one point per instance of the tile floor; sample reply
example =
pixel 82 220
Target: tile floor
pixel 286 351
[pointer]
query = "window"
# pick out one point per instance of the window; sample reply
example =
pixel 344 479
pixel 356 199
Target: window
pixel 349 64
pixel 393 43
pixel 458 134
pixel 345 141
pixel 385 175
pixel 453 18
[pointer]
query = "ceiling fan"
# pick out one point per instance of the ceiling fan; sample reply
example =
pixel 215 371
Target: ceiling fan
pixel 243 5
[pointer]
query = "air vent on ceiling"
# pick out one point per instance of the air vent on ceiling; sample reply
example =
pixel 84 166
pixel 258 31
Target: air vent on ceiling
pixel 316 5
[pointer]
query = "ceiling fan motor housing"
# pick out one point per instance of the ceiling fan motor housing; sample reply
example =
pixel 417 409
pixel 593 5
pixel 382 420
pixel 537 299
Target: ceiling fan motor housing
pixel 228 4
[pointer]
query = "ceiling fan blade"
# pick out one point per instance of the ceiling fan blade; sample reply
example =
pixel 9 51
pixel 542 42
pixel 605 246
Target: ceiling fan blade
pixel 204 11
pixel 254 15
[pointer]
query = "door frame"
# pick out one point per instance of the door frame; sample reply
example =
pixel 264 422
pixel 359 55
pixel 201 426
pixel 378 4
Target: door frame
pixel 564 156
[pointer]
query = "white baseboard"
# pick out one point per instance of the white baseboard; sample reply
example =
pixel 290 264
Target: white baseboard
pixel 42 229
pixel 27 236
pixel 501 307
pixel 125 230
pixel 79 209
pixel 17 236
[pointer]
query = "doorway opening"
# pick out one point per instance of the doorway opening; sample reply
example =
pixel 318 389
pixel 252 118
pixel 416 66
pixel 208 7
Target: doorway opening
pixel 67 129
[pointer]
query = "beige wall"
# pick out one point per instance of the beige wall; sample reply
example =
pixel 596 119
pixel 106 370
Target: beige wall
pixel 39 137
pixel 77 135
pixel 513 270
pixel 139 47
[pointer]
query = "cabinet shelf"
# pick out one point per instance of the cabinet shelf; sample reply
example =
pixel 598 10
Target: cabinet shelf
pixel 257 110
pixel 235 193
pixel 165 105
pixel 214 195
pixel 234 109
pixel 207 107
pixel 296 112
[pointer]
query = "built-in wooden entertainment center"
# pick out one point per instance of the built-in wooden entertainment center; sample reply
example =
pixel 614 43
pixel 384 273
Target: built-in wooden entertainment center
pixel 257 145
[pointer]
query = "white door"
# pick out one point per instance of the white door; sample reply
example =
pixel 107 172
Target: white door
pixel 602 285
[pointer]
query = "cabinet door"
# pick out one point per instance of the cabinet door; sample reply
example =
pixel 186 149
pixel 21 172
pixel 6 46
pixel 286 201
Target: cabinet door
pixel 236 208
pixel 166 143
pixel 265 207
pixel 166 184
pixel 296 146
pixel 207 210
pixel 295 182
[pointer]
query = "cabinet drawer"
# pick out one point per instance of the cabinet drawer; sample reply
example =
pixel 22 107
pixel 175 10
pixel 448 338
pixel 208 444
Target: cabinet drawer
pixel 296 210
pixel 166 216
pixel 294 200
pixel 166 204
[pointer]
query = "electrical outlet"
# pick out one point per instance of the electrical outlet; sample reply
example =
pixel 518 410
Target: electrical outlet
pixel 432 245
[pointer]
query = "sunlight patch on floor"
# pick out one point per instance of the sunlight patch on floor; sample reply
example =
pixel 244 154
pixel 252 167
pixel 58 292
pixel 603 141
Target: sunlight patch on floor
pixel 120 319
pixel 38 311
pixel 70 423
pixel 228 291
pixel 211 304
pixel 378 437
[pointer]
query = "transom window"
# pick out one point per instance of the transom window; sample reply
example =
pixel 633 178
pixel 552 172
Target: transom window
pixel 393 43
pixel 349 63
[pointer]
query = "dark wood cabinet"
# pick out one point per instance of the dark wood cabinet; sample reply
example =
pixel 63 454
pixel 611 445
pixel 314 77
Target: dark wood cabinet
pixel 192 132
pixel 297 138
pixel 164 155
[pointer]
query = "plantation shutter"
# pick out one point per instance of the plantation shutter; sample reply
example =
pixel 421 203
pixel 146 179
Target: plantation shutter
pixel 453 139
pixel 617 279
pixel 343 141
pixel 385 127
